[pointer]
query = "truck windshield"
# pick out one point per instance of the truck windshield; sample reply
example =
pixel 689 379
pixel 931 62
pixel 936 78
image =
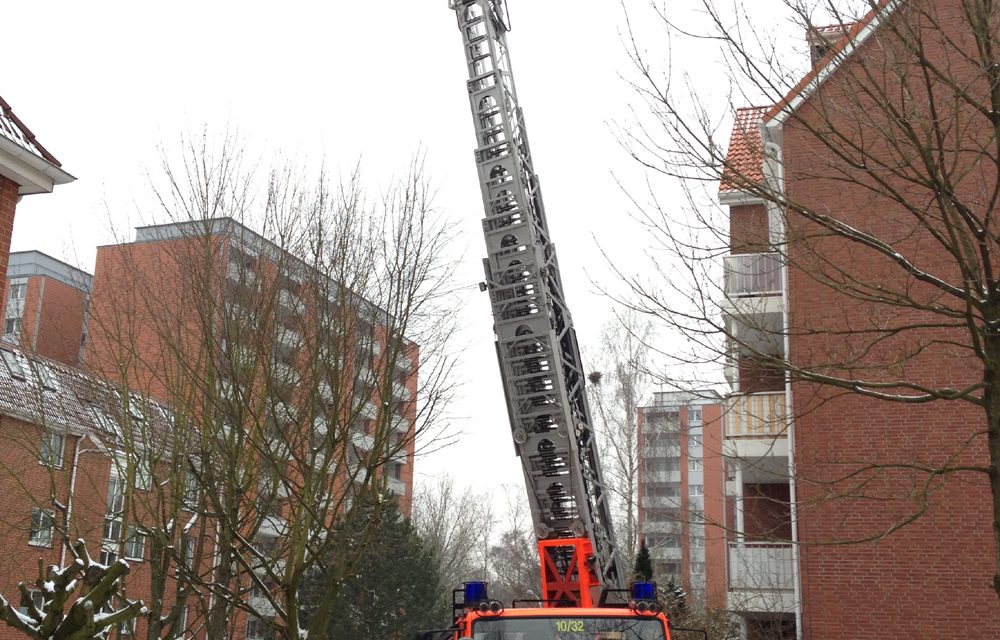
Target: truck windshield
pixel 569 628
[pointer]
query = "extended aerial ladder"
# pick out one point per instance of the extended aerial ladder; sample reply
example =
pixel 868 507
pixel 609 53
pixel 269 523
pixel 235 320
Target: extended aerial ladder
pixel 536 344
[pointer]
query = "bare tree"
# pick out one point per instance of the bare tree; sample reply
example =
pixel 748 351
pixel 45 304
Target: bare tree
pixel 618 386
pixel 879 179
pixel 456 525
pixel 279 322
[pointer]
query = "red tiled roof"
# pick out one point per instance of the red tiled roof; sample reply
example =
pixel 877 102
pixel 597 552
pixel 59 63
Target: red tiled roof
pixel 852 32
pixel 14 130
pixel 745 156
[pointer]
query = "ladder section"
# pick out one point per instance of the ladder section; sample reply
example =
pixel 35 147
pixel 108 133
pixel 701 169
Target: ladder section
pixel 536 346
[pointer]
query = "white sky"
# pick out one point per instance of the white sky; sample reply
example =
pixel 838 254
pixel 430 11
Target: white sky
pixel 102 84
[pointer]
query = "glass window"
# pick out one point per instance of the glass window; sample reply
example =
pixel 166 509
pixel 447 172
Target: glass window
pixel 135 544
pixel 51 453
pixel 12 327
pixel 109 553
pixel 569 627
pixel 34 598
pixel 42 524
pixel 17 291
pixel 116 495
pixel 143 475
pixel 44 375
pixel 13 364
pixel 694 415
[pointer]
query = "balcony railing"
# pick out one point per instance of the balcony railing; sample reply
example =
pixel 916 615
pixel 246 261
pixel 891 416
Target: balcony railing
pixel 761 567
pixel 755 415
pixel 752 274
pixel 396 486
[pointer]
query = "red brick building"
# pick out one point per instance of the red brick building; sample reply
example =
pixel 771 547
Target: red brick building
pixel 46 309
pixel 812 467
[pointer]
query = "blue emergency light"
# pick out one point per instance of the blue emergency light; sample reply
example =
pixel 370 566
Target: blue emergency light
pixel 643 591
pixel 475 592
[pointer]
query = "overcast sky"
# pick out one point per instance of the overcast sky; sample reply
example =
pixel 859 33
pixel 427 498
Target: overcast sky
pixel 102 84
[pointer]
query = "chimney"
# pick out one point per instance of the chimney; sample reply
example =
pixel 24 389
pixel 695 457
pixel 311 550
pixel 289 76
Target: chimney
pixel 822 39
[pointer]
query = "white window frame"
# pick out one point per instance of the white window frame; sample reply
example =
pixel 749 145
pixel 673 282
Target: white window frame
pixel 36 533
pixel 13 363
pixel 37 599
pixel 18 287
pixel 44 375
pixel 135 545
pixel 15 330
pixel 49 456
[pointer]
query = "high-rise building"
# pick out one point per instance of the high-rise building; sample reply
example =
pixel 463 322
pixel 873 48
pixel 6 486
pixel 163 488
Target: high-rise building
pixel 681 491
pixel 46 309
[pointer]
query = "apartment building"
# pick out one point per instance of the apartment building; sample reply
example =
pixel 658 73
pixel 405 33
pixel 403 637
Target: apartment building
pixel 681 491
pixel 65 470
pixel 831 536
pixel 106 458
pixel 274 311
pixel 46 309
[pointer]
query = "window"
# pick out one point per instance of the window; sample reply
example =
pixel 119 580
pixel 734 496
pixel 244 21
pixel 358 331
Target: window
pixel 697 542
pixel 51 453
pixel 112 530
pixel 696 489
pixel 12 327
pixel 697 568
pixel 109 553
pixel 36 599
pixel 13 364
pixel 42 523
pixel 694 415
pixel 190 491
pixel 44 375
pixel 109 426
pixel 17 291
pixel 116 496
pixel 182 622
pixel 694 464
pixel 143 475
pixel 187 553
pixel 135 544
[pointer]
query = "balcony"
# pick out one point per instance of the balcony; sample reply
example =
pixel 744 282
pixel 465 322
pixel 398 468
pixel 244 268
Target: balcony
pixel 761 577
pixel 756 426
pixel 653 477
pixel 401 424
pixel 752 283
pixel 396 486
pixel 660 503
pixel 272 526
pixel 400 392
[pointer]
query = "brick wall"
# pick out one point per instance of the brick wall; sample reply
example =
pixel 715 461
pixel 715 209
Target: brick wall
pixel 931 578
pixel 8 203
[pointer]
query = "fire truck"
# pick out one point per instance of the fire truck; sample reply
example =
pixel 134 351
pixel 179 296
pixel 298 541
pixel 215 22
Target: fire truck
pixel 583 593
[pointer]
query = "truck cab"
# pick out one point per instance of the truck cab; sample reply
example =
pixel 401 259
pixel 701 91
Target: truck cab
pixel 478 618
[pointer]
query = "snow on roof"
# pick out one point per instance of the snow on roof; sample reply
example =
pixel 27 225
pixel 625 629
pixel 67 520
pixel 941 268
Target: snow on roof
pixel 45 392
pixel 745 156
pixel 14 130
